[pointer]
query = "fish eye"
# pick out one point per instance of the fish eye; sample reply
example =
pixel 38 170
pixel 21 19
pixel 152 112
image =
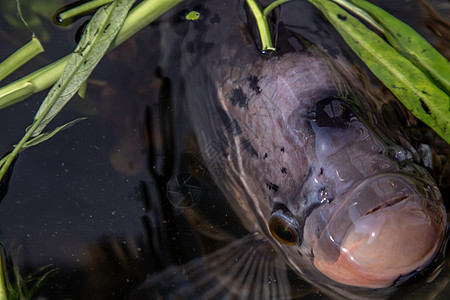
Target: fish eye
pixel 332 112
pixel 283 226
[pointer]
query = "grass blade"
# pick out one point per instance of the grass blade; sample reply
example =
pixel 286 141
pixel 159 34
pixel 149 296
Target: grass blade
pixel 359 12
pixel 47 135
pixel 407 82
pixel 3 274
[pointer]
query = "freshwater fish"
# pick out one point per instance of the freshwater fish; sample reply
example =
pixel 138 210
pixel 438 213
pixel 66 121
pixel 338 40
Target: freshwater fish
pixel 327 188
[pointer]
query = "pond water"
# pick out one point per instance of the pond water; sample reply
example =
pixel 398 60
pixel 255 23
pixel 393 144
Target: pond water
pixel 113 200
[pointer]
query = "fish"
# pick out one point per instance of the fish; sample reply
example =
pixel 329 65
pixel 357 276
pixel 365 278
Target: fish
pixel 328 190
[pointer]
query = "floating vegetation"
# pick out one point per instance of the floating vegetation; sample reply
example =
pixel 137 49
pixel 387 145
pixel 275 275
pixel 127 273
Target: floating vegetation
pixel 408 65
pixel 13 286
pixel 405 62
pixel 110 26
pixel 416 73
pixel 193 15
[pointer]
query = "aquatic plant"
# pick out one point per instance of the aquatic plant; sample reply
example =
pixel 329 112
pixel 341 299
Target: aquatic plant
pixel 408 65
pixel 108 28
pixel 13 285
pixel 416 73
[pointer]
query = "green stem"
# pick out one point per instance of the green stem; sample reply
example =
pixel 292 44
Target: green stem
pixel 145 13
pixel 272 5
pixel 17 148
pixel 33 83
pixel 68 14
pixel 20 57
pixel 139 17
pixel 263 26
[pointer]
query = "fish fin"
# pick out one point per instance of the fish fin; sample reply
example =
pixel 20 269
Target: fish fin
pixel 248 268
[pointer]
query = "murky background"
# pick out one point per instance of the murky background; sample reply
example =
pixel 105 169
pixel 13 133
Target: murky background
pixel 101 201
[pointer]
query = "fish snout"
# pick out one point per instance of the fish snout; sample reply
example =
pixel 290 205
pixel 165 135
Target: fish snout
pixel 389 226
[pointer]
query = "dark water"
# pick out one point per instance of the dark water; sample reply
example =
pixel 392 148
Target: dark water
pixel 104 201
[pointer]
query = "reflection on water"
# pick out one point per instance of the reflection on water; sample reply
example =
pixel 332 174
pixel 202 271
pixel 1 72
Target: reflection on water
pixel 126 194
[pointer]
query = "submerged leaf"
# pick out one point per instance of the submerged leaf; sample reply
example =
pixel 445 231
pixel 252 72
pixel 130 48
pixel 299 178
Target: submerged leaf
pixel 407 82
pixel 411 45
pixel 20 287
pixel 47 135
pixel 3 275
pixel 99 33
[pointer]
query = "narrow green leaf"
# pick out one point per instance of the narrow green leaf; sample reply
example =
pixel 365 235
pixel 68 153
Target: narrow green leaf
pixel 97 38
pixel 408 83
pixel 411 45
pixel 82 90
pixel 99 33
pixel 37 278
pixel 3 275
pixel 47 135
pixel 140 16
pixel 360 13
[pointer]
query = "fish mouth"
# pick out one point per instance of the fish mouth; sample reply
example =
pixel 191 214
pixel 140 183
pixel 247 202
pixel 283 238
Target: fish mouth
pixel 390 225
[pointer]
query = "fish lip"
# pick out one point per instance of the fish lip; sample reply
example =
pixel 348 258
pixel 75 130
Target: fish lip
pixel 387 203
pixel 414 188
pixel 414 196
pixel 413 179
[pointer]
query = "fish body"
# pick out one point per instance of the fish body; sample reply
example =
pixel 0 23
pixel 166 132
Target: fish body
pixel 294 142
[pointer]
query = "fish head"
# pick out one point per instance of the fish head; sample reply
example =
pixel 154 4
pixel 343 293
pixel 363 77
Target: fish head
pixel 363 215
pixel 322 175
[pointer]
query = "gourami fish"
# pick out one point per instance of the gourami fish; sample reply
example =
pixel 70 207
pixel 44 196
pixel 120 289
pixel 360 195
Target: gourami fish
pixel 327 188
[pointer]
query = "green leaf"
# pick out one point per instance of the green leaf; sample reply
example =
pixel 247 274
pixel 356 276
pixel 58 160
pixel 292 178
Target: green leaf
pixel 411 45
pixel 360 13
pixel 47 135
pixel 407 82
pixel 3 275
pixel 99 33
pixel 140 16
pixel 97 38
pixel 20 288
pixel 35 280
